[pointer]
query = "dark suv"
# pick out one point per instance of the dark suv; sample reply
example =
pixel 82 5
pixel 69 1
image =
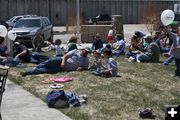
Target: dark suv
pixel 100 19
pixel 27 28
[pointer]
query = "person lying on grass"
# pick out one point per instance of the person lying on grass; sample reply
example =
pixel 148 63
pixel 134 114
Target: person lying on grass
pixel 21 52
pixel 71 61
pixel 110 68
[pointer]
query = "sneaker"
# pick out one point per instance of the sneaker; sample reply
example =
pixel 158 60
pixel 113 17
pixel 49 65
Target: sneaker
pixel 176 76
pixel 130 59
pixel 21 66
pixel 166 64
pixel 83 98
pixel 138 61
pixel 56 86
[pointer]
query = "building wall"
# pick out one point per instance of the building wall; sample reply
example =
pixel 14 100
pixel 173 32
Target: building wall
pixel 62 12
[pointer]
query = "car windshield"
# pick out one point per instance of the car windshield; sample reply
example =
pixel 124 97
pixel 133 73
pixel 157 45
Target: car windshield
pixel 27 23
pixel 10 20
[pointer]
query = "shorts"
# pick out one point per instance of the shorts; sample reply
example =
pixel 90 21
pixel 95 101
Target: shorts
pixel 110 38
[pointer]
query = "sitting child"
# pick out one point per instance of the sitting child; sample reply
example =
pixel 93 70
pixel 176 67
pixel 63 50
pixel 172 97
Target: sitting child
pixel 97 61
pixel 57 47
pixel 119 46
pixel 110 68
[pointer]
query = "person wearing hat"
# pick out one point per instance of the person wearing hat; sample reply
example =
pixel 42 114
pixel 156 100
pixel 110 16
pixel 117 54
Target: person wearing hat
pixel 140 37
pixel 134 48
pixel 139 34
pixel 71 61
pixel 72 43
pixel 152 52
pixel 97 43
pixel 119 46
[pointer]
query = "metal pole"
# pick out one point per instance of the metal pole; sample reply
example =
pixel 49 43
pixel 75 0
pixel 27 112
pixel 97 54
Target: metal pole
pixel 78 21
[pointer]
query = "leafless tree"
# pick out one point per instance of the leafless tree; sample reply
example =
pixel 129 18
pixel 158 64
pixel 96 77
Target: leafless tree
pixel 151 16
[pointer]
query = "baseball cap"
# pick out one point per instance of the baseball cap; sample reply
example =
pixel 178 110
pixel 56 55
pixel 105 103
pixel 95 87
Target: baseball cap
pixel 139 34
pixel 148 36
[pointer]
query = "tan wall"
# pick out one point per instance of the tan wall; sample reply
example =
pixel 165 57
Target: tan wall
pixel 89 31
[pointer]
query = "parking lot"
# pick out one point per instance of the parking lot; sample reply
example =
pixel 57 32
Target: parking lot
pixel 128 31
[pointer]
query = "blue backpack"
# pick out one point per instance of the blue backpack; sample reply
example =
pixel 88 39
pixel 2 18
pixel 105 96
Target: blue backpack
pixel 56 99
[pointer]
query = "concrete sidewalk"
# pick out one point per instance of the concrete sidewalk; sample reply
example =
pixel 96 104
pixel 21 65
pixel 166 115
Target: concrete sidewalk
pixel 19 104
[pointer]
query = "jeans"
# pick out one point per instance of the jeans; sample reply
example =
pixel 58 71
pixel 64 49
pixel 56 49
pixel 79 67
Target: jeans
pixel 168 60
pixel 49 66
pixel 177 63
pixel 38 58
pixel 143 57
pixel 130 54
pixel 164 50
pixel 117 53
pixel 13 63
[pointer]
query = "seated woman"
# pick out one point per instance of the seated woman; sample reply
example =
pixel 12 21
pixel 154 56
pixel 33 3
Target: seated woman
pixel 119 46
pixel 72 44
pixel 134 48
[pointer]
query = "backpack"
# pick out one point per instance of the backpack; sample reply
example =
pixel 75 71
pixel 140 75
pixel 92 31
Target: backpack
pixel 56 99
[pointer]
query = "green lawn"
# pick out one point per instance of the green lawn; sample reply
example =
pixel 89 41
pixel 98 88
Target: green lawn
pixel 118 98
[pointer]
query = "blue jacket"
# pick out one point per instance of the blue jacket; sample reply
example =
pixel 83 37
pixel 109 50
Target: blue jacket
pixel 97 44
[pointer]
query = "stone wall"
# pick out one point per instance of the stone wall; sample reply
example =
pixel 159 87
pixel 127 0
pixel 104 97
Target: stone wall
pixel 89 31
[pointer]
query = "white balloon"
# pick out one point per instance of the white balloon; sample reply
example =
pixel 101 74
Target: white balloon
pixel 167 17
pixel 12 35
pixel 3 31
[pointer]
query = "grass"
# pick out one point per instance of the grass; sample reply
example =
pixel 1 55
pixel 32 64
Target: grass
pixel 118 98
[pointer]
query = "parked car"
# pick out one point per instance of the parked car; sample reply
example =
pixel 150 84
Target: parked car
pixel 11 22
pixel 27 28
pixel 100 19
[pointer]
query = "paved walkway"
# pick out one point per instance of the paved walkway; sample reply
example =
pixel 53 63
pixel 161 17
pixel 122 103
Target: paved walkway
pixel 19 104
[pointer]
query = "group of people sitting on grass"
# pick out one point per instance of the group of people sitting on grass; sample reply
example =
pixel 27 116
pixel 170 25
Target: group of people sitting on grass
pixel 142 48
pixel 72 60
